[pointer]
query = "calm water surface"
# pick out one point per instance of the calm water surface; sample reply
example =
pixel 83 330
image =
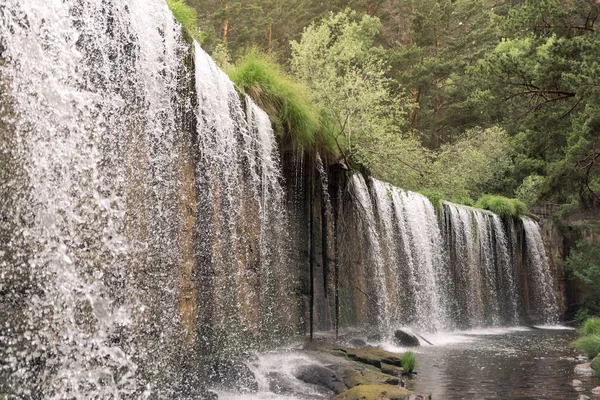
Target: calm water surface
pixel 500 364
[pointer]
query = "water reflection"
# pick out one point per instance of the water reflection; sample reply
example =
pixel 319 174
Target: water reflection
pixel 531 363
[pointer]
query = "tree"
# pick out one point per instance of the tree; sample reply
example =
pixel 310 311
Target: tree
pixel 541 83
pixel 338 60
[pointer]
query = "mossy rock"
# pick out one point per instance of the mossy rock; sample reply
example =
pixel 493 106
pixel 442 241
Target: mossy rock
pixel 374 392
pixel 357 377
pixel 374 356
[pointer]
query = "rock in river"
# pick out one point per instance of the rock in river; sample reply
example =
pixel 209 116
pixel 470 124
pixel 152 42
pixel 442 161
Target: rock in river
pixel 402 338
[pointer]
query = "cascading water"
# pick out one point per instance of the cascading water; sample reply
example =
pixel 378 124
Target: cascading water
pixel 541 287
pixel 414 253
pixel 464 275
pixel 142 207
pixel 365 213
pixel 482 267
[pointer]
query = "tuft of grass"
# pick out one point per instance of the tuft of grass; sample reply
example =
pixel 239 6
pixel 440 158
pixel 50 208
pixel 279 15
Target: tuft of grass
pixel 408 361
pixel 287 102
pixel 435 196
pixel 502 206
pixel 589 345
pixel 187 17
pixel 591 327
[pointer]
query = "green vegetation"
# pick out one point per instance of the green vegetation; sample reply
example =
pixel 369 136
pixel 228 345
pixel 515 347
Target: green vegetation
pixel 589 345
pixel 502 206
pixel 589 340
pixel 583 263
pixel 287 102
pixel 596 365
pixel 459 98
pixel 187 17
pixel 591 327
pixel 408 362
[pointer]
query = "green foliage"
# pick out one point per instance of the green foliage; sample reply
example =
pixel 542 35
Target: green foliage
pixel 596 365
pixel 477 163
pixel 591 327
pixel 502 206
pixel 435 196
pixel 187 17
pixel 530 190
pixel 581 316
pixel 408 361
pixel 338 59
pixel 588 345
pixel 287 102
pixel 583 263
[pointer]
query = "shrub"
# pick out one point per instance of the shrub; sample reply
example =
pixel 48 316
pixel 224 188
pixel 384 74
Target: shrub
pixel 591 327
pixel 409 361
pixel 187 17
pixel 502 206
pixel 287 102
pixel 589 345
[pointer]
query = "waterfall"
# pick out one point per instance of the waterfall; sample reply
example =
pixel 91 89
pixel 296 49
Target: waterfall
pixel 145 220
pixel 540 283
pixel 482 267
pixel 458 270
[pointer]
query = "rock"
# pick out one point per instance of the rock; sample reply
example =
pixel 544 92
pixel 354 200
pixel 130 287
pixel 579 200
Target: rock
pixel 391 369
pixel 583 397
pixel 596 390
pixel 577 383
pixel 374 392
pixel 278 383
pixel 367 376
pixel 232 375
pixel 321 376
pixel 584 370
pixel 405 339
pixel 373 356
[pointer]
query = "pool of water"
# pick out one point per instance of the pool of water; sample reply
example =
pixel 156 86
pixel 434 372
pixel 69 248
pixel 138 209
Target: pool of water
pixel 494 363
pixel 517 363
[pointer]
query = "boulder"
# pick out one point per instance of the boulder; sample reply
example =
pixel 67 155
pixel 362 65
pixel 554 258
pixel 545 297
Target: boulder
pixel 279 384
pixel 374 392
pixel 577 383
pixel 405 339
pixel 583 397
pixel 596 390
pixel 321 376
pixel 584 370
